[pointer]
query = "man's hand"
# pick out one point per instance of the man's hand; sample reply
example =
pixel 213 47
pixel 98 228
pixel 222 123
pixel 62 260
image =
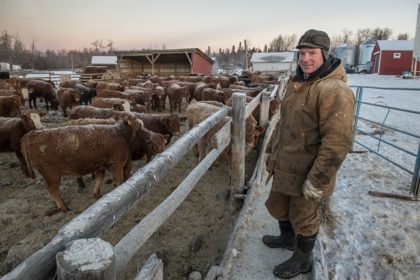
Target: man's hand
pixel 310 192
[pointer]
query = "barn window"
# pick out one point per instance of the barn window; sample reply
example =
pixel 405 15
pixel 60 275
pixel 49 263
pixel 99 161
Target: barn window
pixel 396 55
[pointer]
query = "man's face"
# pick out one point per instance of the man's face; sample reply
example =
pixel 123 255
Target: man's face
pixel 310 60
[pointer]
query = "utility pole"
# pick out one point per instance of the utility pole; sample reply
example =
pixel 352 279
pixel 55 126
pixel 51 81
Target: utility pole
pixel 71 59
pixel 246 55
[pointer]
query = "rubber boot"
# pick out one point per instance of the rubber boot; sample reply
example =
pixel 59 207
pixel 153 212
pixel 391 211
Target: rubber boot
pixel 284 240
pixel 301 260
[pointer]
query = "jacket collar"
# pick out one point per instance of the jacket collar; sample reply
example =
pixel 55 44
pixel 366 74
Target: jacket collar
pixel 324 70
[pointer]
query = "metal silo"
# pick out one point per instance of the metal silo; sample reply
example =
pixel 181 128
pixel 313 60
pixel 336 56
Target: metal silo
pixel 366 49
pixel 346 53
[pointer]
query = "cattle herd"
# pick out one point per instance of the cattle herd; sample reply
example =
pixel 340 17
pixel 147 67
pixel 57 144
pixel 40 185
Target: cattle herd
pixel 111 123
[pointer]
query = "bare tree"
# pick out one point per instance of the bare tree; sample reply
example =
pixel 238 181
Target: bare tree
pixel 283 43
pixel 95 44
pixel 347 33
pixel 110 45
pixel 402 36
pixel 381 33
pixel 6 41
pixel 361 36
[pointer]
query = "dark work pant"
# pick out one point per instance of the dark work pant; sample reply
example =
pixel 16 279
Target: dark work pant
pixel 302 213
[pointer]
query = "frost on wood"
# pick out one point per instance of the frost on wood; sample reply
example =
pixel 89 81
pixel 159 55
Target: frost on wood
pixel 84 255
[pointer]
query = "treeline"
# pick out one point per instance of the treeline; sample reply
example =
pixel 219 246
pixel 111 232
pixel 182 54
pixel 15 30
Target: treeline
pixel 13 50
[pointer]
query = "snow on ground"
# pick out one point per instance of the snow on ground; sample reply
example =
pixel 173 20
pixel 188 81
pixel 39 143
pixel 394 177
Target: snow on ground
pixel 368 237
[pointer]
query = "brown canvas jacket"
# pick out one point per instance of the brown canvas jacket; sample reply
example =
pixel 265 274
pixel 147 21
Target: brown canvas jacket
pixel 314 133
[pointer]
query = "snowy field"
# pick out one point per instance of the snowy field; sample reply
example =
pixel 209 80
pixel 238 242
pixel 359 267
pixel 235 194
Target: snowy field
pixel 368 237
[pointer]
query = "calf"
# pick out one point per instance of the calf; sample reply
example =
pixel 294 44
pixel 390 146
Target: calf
pixel 96 113
pixel 101 102
pixel 144 143
pixel 110 86
pixel 37 89
pixel 175 94
pixel 13 129
pixel 209 94
pixel 198 111
pixel 158 98
pixel 10 106
pixel 68 97
pixel 80 150
pixel 163 124
pixel 87 93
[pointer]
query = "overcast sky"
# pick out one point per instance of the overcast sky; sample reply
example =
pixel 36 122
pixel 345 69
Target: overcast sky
pixel 138 24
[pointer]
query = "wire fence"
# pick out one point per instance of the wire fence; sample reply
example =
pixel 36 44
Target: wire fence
pixel 372 119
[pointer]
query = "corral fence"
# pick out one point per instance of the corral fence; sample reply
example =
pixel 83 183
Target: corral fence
pixel 414 189
pixel 69 248
pixel 55 76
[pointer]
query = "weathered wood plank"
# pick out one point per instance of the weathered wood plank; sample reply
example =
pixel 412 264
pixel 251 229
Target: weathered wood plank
pixel 151 270
pixel 86 259
pixel 264 109
pixel 238 143
pixel 253 105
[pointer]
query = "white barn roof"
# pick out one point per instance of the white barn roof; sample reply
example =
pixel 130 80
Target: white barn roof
pixel 272 57
pixel 396 45
pixel 104 60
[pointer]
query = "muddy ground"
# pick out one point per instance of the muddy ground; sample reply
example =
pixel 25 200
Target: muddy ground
pixel 193 239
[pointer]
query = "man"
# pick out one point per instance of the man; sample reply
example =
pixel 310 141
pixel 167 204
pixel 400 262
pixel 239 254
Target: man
pixel 308 146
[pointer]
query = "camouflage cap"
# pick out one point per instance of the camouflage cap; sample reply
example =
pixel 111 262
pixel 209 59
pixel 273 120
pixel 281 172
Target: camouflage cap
pixel 314 39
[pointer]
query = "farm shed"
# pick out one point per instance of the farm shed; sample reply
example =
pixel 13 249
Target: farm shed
pixel 392 57
pixel 110 61
pixel 274 61
pixel 164 62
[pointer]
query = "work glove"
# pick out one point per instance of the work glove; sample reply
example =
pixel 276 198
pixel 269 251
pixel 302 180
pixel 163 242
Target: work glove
pixel 310 192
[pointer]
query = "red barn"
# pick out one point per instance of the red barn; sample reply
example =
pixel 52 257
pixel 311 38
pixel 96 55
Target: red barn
pixel 392 57
pixel 164 62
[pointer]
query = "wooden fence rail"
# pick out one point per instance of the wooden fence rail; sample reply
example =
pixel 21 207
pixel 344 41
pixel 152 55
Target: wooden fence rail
pixel 99 217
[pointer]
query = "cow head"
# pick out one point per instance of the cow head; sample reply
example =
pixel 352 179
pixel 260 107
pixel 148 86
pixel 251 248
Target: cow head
pixel 253 131
pixel 173 124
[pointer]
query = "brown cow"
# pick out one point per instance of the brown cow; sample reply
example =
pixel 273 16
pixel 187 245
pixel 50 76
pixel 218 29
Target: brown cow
pixel 13 129
pixel 80 150
pixel 10 106
pixel 96 113
pixel 210 94
pixel 158 98
pixel 145 142
pixel 163 124
pixel 198 111
pixel 68 97
pixel 110 86
pixel 38 88
pixel 175 94
pixel 112 102
pixel 67 84
pixel 11 92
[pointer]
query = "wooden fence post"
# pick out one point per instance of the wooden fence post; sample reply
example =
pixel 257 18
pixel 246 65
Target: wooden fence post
pixel 238 146
pixel 86 259
pixel 264 108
